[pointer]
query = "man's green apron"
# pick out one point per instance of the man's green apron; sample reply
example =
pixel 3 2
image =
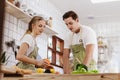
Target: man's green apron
pixel 32 55
pixel 78 52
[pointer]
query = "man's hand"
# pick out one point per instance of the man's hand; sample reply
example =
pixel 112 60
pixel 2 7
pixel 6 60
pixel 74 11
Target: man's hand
pixel 80 66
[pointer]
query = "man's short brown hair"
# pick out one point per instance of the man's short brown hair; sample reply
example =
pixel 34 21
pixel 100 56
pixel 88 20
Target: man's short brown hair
pixel 70 14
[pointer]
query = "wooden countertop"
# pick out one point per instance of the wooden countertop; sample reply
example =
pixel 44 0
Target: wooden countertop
pixel 101 76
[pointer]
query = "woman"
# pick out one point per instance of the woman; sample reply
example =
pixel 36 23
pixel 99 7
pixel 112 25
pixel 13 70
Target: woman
pixel 28 49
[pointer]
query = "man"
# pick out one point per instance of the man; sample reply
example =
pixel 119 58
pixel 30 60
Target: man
pixel 82 42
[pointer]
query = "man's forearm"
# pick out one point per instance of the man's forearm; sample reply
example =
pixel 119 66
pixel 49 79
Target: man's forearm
pixel 87 60
pixel 66 66
pixel 89 54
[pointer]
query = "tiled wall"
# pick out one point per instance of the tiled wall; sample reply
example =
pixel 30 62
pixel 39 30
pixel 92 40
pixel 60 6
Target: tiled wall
pixel 13 30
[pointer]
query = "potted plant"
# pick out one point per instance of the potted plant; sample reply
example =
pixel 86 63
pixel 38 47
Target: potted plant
pixel 3 58
pixel 2 61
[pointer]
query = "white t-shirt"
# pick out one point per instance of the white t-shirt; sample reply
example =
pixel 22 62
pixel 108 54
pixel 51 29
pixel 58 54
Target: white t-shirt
pixel 30 40
pixel 87 35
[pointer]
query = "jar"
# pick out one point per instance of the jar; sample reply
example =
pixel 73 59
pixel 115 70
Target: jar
pixel 17 3
pixel 50 22
pixel 11 1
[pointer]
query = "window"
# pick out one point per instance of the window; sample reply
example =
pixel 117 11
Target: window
pixel 55 50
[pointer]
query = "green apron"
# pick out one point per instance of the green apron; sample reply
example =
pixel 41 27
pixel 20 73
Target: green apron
pixel 32 55
pixel 78 52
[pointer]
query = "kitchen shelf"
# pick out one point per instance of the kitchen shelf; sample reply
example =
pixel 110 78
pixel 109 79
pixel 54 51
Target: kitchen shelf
pixel 18 13
pixel 102 62
pixel 102 46
pixel 49 31
pixel 102 52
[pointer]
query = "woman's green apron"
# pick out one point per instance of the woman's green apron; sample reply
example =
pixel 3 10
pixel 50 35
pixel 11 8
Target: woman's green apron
pixel 32 55
pixel 78 52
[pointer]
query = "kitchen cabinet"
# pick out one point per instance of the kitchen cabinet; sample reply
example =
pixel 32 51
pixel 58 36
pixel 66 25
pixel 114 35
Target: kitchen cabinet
pixel 55 51
pixel 20 14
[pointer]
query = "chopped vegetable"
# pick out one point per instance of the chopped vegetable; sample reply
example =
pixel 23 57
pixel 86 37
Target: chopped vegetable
pixel 81 66
pixel 82 69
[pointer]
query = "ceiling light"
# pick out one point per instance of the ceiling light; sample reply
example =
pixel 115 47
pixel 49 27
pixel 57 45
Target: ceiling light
pixel 102 1
pixel 90 17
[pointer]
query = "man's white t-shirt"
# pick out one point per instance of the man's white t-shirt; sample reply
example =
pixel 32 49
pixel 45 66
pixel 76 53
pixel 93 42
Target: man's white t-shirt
pixel 87 35
pixel 29 39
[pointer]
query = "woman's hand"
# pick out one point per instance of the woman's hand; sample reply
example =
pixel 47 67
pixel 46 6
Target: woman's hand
pixel 43 63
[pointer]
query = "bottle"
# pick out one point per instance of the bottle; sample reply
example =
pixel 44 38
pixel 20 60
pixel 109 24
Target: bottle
pixel 50 22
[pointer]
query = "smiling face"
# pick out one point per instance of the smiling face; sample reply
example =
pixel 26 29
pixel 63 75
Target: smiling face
pixel 72 24
pixel 38 27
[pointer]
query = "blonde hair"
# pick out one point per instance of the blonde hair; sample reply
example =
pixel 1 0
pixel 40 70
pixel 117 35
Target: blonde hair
pixel 33 21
